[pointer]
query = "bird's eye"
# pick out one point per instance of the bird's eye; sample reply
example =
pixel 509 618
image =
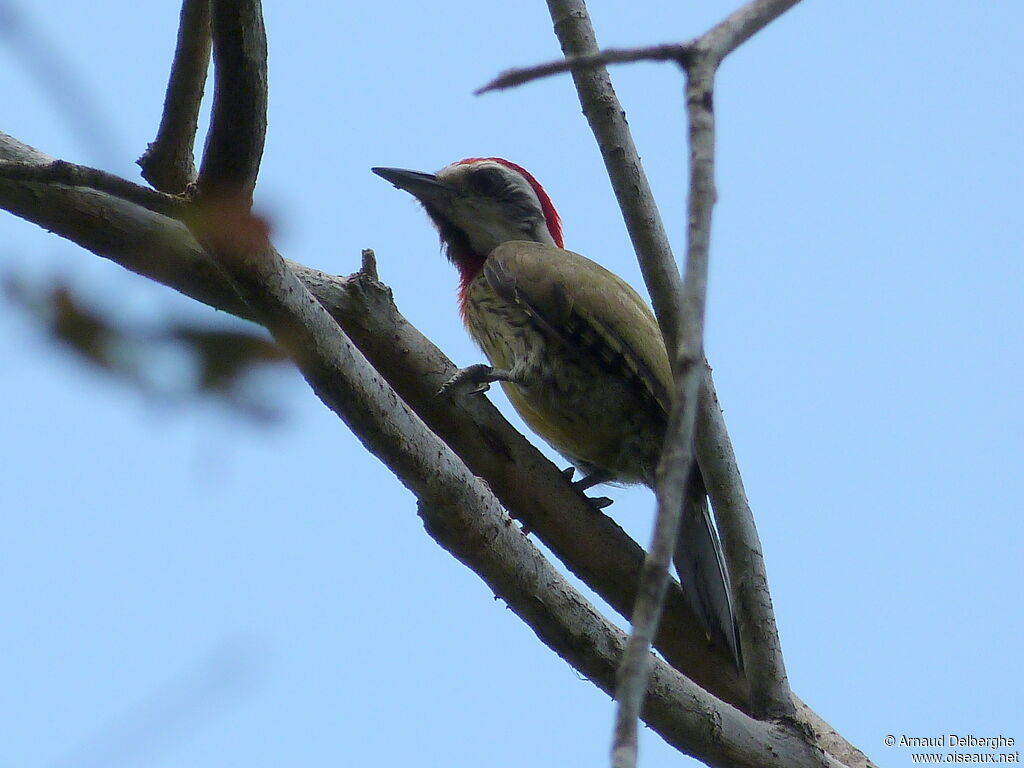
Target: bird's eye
pixel 486 181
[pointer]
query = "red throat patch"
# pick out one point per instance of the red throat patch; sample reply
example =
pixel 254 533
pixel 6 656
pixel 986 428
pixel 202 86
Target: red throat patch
pixel 467 274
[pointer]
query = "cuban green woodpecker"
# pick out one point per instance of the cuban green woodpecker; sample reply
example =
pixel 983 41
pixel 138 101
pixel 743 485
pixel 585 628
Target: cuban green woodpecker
pixel 576 349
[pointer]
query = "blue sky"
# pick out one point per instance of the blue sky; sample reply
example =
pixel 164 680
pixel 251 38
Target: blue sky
pixel 181 586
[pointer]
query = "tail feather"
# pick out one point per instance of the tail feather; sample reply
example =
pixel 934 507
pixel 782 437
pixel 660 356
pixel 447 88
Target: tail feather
pixel 702 572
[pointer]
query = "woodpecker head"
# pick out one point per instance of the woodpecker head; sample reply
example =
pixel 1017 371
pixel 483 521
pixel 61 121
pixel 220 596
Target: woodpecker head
pixel 479 203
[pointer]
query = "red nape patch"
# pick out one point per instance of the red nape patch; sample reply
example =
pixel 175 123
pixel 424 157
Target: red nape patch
pixel 551 216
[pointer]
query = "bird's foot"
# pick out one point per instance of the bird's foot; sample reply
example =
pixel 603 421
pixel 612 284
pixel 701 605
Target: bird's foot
pixel 471 380
pixel 581 485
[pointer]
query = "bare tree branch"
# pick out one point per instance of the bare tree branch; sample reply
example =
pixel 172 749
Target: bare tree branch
pixel 719 41
pixel 93 178
pixel 168 162
pixel 726 36
pixel 512 78
pixel 238 125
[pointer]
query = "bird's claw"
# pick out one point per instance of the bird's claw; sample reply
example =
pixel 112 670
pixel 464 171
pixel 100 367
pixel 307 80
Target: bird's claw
pixel 471 380
pixel 581 485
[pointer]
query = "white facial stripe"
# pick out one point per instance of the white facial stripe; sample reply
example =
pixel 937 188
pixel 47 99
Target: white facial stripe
pixel 489 222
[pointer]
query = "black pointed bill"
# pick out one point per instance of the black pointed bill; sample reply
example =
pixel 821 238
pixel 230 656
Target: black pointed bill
pixel 423 186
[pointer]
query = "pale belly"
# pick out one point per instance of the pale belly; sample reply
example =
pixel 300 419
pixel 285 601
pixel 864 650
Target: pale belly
pixel 592 412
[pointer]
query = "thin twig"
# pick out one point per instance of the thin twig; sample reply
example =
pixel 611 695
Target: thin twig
pixel 168 162
pixel 720 40
pixel 739 26
pixel 238 124
pixel 511 78
pixel 82 176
